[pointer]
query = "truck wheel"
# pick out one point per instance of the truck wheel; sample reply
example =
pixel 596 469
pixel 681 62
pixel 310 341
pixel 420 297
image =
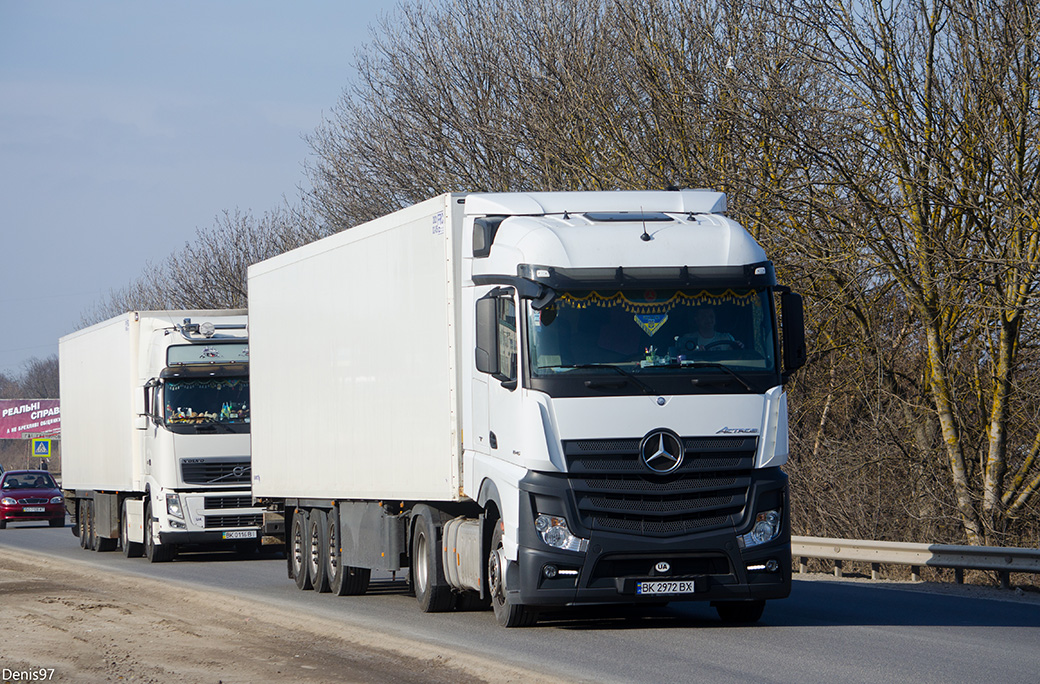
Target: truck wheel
pixel 130 549
pixel 81 527
pixel 155 553
pixel 737 612
pixel 90 542
pixel 431 589
pixel 316 545
pixel 298 550
pixel 344 580
pixel 507 613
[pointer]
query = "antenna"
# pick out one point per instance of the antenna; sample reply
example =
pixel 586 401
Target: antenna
pixel 645 237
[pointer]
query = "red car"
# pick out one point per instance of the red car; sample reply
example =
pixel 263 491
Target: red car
pixel 30 495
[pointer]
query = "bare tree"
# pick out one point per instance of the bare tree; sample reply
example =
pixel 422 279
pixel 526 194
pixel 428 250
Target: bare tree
pixel 942 99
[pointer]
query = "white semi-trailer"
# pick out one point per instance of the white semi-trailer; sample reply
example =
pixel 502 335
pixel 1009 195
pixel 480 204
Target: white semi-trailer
pixel 155 432
pixel 533 399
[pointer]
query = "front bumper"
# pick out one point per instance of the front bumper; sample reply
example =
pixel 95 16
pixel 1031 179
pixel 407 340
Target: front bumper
pixel 17 513
pixel 209 537
pixel 612 567
pixel 614 563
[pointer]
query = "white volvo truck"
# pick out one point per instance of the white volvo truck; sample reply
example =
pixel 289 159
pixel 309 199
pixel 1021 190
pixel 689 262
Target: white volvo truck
pixel 155 432
pixel 534 400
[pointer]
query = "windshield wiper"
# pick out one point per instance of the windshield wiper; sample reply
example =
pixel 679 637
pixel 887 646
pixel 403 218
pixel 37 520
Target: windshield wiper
pixel 212 427
pixel 720 366
pixel 592 383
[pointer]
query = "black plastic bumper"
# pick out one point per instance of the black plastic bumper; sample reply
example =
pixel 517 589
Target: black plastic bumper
pixel 208 537
pixel 613 565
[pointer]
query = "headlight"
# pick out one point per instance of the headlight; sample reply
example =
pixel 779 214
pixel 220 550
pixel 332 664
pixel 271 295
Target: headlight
pixel 555 533
pixel 766 528
pixel 8 501
pixel 57 499
pixel 173 505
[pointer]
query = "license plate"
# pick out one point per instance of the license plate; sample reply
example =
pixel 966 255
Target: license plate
pixel 240 534
pixel 34 509
pixel 670 587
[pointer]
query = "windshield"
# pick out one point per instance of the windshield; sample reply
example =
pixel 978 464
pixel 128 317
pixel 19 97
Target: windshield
pixel 29 481
pixel 653 333
pixel 206 401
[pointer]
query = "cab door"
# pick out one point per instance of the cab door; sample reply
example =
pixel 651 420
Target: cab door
pixel 498 358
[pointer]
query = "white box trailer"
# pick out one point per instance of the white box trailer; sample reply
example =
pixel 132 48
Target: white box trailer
pixel 358 363
pixel 509 395
pixel 155 434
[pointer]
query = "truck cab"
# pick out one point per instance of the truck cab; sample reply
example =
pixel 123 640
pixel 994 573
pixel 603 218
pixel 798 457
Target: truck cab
pixel 629 420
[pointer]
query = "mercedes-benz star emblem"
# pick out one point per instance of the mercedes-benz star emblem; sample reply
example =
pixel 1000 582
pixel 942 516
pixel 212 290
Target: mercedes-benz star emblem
pixel 661 451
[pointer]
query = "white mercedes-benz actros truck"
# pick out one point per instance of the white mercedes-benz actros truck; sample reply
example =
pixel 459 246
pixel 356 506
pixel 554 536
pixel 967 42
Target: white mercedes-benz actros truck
pixel 532 400
pixel 155 432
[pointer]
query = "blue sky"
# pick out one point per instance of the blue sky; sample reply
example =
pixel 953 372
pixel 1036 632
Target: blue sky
pixel 126 125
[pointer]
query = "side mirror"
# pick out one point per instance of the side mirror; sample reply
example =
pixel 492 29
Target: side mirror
pixel 793 322
pixel 496 345
pixel 487 335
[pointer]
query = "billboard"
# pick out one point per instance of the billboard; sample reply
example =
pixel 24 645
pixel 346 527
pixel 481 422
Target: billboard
pixel 27 418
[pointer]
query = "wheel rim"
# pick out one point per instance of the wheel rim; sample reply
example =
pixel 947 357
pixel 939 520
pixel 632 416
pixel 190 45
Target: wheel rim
pixel 333 551
pixel 297 548
pixel 315 548
pixel 149 543
pixel 495 575
pixel 421 571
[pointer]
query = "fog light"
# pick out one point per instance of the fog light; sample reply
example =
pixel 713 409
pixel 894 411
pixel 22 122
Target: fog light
pixel 178 524
pixel 769 566
pixel 550 571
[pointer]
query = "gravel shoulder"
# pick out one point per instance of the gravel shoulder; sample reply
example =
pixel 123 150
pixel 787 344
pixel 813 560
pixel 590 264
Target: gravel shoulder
pixel 65 622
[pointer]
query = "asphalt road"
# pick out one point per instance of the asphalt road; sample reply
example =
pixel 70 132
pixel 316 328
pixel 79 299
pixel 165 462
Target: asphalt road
pixel 826 631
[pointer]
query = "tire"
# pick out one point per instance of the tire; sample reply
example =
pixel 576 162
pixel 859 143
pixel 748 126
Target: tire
pixel 740 612
pixel 427 576
pixel 130 549
pixel 90 540
pixel 297 550
pixel 507 614
pixel 344 580
pixel 57 522
pixel 155 553
pixel 316 550
pixel 3 524
pixel 95 542
pixel 81 520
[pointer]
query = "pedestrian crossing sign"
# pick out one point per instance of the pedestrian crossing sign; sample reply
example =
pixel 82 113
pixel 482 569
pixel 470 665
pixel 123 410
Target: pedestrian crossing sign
pixel 41 448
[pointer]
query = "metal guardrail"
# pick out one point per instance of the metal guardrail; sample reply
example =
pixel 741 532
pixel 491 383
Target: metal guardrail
pixel 1002 560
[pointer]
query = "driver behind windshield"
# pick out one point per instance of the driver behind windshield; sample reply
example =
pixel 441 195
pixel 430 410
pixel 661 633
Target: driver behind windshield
pixel 707 337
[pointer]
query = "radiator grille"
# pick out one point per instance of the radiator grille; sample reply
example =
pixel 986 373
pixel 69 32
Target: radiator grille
pixel 215 472
pixel 248 520
pixel 218 502
pixel 614 490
